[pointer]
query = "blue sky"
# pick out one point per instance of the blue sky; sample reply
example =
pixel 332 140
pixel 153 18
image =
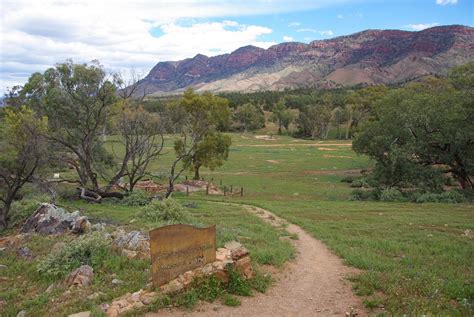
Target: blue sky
pixel 125 35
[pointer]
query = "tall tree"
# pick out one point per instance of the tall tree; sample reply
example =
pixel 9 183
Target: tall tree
pixel 23 153
pixel 203 114
pixel 250 117
pixel 423 129
pixel 77 99
pixel 281 115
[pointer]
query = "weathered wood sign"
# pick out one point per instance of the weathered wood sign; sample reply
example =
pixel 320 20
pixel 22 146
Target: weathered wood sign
pixel 176 249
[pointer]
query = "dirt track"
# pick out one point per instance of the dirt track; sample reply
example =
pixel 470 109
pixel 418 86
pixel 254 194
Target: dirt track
pixel 312 285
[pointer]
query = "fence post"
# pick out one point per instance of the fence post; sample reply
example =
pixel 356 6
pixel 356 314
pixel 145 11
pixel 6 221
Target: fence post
pixel 207 189
pixel 225 189
pixel 221 182
pixel 187 190
pixel 241 191
pixel 231 188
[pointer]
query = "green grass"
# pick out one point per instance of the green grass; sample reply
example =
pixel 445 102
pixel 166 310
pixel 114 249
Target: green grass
pixel 24 288
pixel 415 258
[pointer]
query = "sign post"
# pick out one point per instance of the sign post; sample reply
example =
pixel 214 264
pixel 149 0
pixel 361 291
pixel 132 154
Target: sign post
pixel 176 249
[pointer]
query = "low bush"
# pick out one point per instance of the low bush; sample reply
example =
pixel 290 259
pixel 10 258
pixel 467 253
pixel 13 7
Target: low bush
pixel 22 209
pixel 166 211
pixel 452 197
pixel 91 249
pixel 137 198
pixel 391 194
pixel 363 195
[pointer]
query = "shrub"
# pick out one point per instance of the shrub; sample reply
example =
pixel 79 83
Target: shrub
pixel 166 211
pixel 452 197
pixel 22 209
pixel 391 194
pixel 427 198
pixel 362 195
pixel 91 249
pixel 137 198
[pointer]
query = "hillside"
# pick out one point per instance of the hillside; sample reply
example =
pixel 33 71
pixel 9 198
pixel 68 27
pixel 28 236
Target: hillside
pixel 371 57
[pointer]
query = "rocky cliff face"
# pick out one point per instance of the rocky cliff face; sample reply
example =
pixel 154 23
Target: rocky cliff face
pixel 372 56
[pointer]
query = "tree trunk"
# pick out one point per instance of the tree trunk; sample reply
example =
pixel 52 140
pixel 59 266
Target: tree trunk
pixel 196 172
pixel 4 217
pixel 279 128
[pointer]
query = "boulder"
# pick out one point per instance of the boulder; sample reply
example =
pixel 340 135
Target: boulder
pixel 133 244
pixel 50 219
pixel 80 277
pixel 25 253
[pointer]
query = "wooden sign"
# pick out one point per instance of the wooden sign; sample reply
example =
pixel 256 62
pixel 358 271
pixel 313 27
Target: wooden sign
pixel 176 249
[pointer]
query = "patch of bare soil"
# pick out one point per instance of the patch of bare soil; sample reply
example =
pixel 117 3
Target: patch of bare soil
pixel 295 144
pixel 350 172
pixel 265 137
pixel 273 161
pixel 336 156
pixel 313 285
pixel 326 149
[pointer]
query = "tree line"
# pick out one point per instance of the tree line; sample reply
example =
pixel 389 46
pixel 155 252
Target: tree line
pixel 63 118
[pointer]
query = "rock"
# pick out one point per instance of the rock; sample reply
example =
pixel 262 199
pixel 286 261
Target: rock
pixel 116 281
pixel 50 288
pixel 49 219
pixel 81 314
pixel 244 267
pixel 25 253
pixel 3 267
pixel 22 313
pixel 129 254
pixel 93 296
pixel 135 241
pixel 237 250
pixel 2 249
pixel 81 225
pixel 81 276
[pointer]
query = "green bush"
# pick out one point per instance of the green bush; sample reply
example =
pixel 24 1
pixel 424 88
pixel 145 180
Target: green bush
pixel 137 198
pixel 166 211
pixel 91 249
pixel 452 197
pixel 362 195
pixel 22 209
pixel 391 194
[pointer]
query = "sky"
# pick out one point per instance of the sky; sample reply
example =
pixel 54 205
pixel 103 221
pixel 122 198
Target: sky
pixel 132 36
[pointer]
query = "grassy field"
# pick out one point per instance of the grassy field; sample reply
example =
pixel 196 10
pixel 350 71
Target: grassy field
pixel 24 289
pixel 414 258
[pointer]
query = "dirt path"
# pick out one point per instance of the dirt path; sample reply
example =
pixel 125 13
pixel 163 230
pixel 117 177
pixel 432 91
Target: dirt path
pixel 296 144
pixel 312 285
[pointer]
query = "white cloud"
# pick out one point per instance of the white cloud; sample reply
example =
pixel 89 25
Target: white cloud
pixel 340 16
pixel 294 24
pixel 287 38
pixel 421 26
pixel 446 2
pixel 320 32
pixel 35 35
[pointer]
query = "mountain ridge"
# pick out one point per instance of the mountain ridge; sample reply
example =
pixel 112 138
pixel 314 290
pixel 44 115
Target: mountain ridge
pixel 367 57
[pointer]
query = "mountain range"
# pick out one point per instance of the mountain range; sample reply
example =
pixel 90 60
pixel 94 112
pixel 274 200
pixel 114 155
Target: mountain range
pixel 368 57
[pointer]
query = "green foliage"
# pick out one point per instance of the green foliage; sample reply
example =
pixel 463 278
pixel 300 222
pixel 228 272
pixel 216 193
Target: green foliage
pixel 452 197
pixel 90 249
pixel 166 211
pixel 391 194
pixel 281 115
pixel 364 194
pixel 211 152
pixel 230 300
pixel 137 198
pixel 22 209
pixel 420 131
pixel 250 117
pixel 237 285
